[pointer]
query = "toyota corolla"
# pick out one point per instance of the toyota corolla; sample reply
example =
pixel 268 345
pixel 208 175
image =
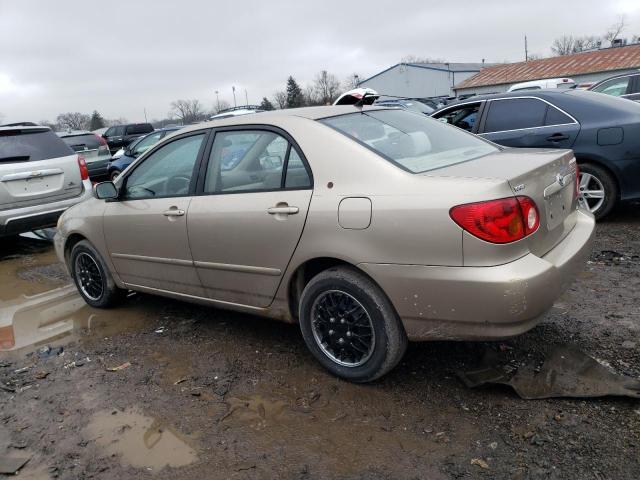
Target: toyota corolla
pixel 367 226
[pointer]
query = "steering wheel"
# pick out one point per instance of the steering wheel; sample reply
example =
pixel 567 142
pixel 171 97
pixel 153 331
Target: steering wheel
pixel 177 184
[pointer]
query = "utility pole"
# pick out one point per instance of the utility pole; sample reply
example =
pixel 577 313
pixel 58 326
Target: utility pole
pixel 145 114
pixel 526 51
pixel 246 97
pixel 234 96
pixel 217 101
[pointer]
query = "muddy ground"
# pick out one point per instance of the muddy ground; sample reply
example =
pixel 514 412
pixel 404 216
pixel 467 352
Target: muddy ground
pixel 203 393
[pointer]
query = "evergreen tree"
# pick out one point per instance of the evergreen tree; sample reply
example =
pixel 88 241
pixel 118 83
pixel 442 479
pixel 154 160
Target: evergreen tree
pixel 266 104
pixel 295 98
pixel 96 121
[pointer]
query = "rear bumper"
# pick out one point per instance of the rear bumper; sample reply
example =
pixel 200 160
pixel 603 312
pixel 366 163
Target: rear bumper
pixel 34 217
pixel 483 303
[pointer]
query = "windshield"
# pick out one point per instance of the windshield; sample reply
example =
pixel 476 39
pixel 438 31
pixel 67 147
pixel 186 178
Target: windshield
pixel 413 142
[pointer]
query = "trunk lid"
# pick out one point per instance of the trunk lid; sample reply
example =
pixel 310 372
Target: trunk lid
pixel 546 176
pixel 36 167
pixel 89 146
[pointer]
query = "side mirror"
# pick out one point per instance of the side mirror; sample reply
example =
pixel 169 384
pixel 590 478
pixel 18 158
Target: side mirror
pixel 105 191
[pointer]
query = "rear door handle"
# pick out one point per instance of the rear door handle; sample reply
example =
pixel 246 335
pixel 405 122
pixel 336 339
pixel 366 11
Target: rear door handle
pixel 283 210
pixel 173 212
pixel 557 137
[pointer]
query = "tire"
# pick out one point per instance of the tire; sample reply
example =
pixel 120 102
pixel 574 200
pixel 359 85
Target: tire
pixel 87 264
pixel 325 298
pixel 596 179
pixel 114 174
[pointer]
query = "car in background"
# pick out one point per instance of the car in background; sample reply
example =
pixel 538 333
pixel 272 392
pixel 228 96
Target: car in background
pixel 40 177
pixel 305 227
pixel 410 104
pixel 92 147
pixel 564 83
pixel 357 96
pixel 135 149
pixel 119 136
pixel 236 111
pixel 624 86
pixel 603 131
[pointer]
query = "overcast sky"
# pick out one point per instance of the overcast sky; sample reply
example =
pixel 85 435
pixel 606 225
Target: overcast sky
pixel 120 57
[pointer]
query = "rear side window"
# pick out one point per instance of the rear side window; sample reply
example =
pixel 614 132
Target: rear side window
pixel 139 129
pixel 556 117
pixel 80 143
pixel 31 145
pixel 413 142
pixel 615 86
pixel 514 114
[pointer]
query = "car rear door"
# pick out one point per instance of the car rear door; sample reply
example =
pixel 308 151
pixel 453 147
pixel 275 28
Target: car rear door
pixel 246 224
pixel 35 165
pixel 88 145
pixel 146 228
pixel 528 122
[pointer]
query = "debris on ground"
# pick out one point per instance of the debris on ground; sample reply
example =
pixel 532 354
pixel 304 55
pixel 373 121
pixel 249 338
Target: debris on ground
pixel 119 367
pixel 565 372
pixel 480 463
pixel 11 465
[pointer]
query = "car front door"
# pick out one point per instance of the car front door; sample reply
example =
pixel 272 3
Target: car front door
pixel 528 122
pixel 146 228
pixel 246 223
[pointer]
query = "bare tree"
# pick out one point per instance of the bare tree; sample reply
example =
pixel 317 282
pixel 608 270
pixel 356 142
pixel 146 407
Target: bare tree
pixel 563 45
pixel 417 59
pixel 1 117
pixel 351 82
pixel 115 121
pixel 222 105
pixel 280 98
pixel 588 42
pixel 326 87
pixel 73 121
pixel 615 29
pixel 188 111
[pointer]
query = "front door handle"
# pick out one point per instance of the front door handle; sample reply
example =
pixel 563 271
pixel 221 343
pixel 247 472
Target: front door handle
pixel 173 212
pixel 557 137
pixel 283 210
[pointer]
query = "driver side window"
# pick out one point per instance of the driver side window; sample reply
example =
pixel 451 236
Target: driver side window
pixel 166 172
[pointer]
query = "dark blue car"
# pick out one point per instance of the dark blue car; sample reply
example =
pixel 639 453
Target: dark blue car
pixel 137 148
pixel 603 132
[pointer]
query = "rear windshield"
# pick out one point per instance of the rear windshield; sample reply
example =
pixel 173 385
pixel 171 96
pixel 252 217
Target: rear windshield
pixel 412 141
pixel 80 143
pixel 31 145
pixel 139 128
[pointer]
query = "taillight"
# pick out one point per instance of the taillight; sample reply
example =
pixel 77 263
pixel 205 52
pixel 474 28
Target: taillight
pixel 504 220
pixel 84 171
pixel 7 339
pixel 101 139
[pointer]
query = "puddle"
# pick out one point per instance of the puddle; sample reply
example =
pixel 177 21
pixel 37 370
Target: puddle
pixel 139 440
pixel 59 316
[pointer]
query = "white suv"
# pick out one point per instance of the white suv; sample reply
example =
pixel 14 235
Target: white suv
pixel 40 177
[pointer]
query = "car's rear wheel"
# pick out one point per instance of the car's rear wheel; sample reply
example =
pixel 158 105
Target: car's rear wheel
pixel 350 326
pixel 598 190
pixel 92 277
pixel 114 174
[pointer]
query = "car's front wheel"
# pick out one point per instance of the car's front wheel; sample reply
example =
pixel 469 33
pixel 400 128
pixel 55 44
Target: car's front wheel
pixel 598 190
pixel 350 326
pixel 92 277
pixel 114 175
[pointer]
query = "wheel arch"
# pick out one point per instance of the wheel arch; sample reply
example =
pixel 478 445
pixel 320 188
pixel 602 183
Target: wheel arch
pixel 581 159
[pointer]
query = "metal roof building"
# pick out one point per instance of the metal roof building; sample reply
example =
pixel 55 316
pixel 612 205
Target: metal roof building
pixel 421 80
pixel 590 66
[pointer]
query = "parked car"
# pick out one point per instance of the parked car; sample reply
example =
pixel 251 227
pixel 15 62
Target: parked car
pixel 407 104
pixel 603 131
pixel 624 86
pixel 236 111
pixel 40 176
pixel 563 83
pixel 135 149
pixel 122 135
pixel 304 228
pixel 358 96
pixel 92 147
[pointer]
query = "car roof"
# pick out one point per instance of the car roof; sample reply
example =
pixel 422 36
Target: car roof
pixel 74 133
pixel 628 74
pixel 23 126
pixel 311 113
pixel 545 93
